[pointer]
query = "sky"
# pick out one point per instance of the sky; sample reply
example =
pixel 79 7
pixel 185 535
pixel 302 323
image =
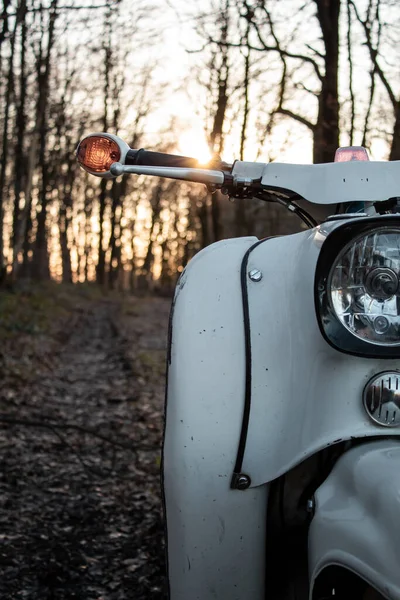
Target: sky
pixel 176 64
pixel 178 36
pixel 172 33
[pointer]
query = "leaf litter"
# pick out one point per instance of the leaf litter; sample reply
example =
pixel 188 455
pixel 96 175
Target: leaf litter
pixel 81 416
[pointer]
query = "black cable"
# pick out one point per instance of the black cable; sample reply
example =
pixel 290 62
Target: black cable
pixel 306 214
pixel 305 218
pixel 294 208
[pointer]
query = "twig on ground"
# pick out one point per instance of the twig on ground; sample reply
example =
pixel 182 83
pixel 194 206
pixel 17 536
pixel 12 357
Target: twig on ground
pixel 51 426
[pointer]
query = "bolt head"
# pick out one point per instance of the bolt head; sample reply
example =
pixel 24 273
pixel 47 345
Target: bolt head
pixel 243 482
pixel 255 275
pixel 117 169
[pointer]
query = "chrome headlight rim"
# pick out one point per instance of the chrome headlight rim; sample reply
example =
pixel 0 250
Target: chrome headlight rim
pixel 332 329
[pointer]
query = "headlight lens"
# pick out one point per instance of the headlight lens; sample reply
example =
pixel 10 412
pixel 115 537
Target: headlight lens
pixel 363 286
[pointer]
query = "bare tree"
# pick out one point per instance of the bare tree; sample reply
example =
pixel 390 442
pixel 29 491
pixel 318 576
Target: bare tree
pixel 241 225
pixel 107 50
pixel 20 122
pixel 155 203
pixel 325 129
pixel 372 21
pixel 40 259
pixel 349 43
pixel 219 71
pixel 4 18
pixel 6 125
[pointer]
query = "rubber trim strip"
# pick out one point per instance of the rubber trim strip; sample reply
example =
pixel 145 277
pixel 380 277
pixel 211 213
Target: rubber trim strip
pixel 163 500
pixel 248 358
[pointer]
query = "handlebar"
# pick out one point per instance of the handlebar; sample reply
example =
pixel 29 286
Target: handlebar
pixel 159 159
pixel 106 155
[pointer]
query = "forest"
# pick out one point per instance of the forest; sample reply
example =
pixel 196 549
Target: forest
pixel 263 80
pixel 88 265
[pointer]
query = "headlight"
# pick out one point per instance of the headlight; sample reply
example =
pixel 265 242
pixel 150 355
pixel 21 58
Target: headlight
pixel 358 287
pixel 363 284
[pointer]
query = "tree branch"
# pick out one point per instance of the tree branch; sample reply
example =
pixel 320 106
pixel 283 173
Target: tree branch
pixel 373 52
pixel 350 61
pixel 296 117
pixel 41 9
pixel 279 49
pixel 315 51
pixel 300 86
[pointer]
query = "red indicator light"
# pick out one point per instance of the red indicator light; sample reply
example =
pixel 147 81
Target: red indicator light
pixel 350 153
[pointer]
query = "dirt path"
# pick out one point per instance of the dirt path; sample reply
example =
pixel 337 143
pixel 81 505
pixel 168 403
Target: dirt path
pixel 80 512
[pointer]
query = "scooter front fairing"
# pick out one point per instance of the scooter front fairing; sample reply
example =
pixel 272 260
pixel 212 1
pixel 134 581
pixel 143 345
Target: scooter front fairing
pixel 253 390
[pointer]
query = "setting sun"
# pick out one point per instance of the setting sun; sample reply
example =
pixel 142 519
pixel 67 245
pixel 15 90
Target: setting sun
pixel 193 143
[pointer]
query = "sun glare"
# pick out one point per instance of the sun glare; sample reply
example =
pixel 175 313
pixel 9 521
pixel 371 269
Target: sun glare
pixel 193 144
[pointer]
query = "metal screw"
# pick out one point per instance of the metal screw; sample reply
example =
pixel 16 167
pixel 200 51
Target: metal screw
pixel 243 482
pixel 310 505
pixel 255 275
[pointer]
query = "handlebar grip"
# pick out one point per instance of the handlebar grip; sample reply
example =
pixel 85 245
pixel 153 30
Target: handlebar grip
pixel 159 159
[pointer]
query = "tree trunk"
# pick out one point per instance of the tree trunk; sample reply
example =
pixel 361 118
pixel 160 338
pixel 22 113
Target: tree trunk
pixel 395 147
pixel 217 135
pixel 65 254
pixel 4 150
pixel 25 222
pixel 88 208
pixel 19 162
pixel 4 20
pixel 216 216
pixel 115 238
pixel 241 227
pixel 27 243
pixel 326 132
pixel 132 274
pixel 203 217
pixel 156 209
pixel 40 260
pixel 101 263
pixel 65 223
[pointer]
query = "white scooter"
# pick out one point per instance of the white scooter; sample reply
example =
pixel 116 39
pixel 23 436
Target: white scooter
pixel 281 457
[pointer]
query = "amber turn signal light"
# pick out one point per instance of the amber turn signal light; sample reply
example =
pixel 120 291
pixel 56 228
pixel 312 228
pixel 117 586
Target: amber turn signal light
pixel 97 153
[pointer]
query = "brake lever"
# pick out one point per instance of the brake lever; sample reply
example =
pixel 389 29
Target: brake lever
pixel 206 176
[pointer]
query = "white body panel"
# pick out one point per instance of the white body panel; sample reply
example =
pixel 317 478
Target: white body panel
pixel 304 397
pixel 215 535
pixel 305 394
pixel 356 524
pixel 329 183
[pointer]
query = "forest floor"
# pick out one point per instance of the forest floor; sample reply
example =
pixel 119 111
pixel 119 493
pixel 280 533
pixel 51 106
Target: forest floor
pixel 81 416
